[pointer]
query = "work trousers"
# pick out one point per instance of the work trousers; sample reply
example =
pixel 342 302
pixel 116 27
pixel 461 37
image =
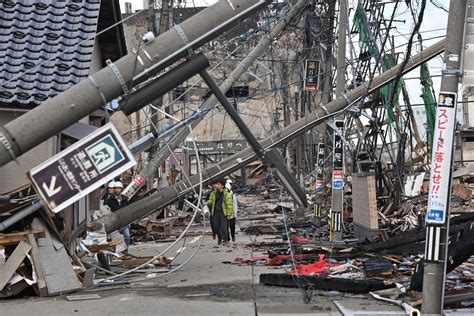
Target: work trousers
pixel 231 228
pixel 213 227
pixel 220 226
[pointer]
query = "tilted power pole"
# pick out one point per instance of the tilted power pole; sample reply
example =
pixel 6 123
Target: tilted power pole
pixel 55 114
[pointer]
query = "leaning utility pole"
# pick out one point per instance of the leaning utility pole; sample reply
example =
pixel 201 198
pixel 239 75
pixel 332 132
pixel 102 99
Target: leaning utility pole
pixel 439 198
pixel 55 114
pixel 165 13
pixel 166 196
pixel 337 205
pixel 160 155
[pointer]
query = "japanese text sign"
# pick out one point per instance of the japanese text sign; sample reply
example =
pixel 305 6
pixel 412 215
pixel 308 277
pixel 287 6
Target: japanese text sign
pixel 81 168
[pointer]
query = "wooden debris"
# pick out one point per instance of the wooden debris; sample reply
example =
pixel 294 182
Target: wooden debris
pixel 58 271
pixel 462 191
pixel 15 259
pixel 15 238
pixel 43 291
pixel 378 268
pixel 83 297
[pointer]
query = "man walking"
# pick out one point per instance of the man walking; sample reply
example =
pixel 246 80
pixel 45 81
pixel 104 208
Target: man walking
pixel 220 203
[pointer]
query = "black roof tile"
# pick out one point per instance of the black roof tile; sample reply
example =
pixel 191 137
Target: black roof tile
pixel 31 33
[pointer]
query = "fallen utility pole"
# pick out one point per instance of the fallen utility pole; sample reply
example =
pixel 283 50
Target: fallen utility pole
pixel 57 113
pixel 231 79
pixel 171 194
pixel 439 196
pixel 325 283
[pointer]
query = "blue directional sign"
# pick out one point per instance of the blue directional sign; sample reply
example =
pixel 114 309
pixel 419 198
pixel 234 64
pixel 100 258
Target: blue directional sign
pixel 435 216
pixel 81 168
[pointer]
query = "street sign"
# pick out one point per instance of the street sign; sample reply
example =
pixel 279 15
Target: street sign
pixel 311 75
pixel 337 182
pixel 338 150
pixel 219 147
pixel 81 168
pixel 134 186
pixel 440 176
pixel 320 166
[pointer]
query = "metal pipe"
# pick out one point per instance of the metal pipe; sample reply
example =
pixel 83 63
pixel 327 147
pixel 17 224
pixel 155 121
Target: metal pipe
pixel 21 215
pixel 161 85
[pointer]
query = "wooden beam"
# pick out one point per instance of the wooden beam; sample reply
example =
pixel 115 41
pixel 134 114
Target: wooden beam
pixel 7 269
pixel 43 290
pixel 15 238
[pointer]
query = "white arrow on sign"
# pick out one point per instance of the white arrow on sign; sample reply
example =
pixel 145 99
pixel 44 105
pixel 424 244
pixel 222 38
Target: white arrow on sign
pixel 51 190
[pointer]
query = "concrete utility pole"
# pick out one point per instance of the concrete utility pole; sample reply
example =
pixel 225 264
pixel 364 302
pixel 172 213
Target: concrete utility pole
pixel 439 198
pixel 156 116
pixel 341 49
pixel 231 79
pixel 54 115
pixel 337 205
pixel 171 194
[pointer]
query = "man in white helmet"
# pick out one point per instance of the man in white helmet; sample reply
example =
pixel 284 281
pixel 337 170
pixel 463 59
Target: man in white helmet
pixel 117 202
pixel 110 192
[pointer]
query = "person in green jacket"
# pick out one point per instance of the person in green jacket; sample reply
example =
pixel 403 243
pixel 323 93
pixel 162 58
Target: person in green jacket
pixel 220 204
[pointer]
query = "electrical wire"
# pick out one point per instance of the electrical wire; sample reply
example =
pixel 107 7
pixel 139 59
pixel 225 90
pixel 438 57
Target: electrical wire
pixel 180 236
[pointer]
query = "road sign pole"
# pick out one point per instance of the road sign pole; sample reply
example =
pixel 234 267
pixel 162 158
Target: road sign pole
pixel 437 216
pixel 337 182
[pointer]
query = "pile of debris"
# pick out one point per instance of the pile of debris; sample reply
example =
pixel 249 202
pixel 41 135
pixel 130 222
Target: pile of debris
pixel 37 262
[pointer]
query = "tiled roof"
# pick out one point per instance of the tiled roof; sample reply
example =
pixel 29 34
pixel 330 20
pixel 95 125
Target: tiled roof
pixel 32 32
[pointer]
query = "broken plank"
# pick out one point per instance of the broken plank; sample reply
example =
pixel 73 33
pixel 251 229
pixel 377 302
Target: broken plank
pixel 15 238
pixel 7 269
pixel 83 297
pixel 88 277
pixel 14 289
pixel 58 272
pixel 43 291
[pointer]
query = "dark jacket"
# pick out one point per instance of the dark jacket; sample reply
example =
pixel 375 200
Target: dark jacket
pixel 114 203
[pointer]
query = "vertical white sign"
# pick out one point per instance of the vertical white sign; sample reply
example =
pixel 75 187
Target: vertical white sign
pixel 440 177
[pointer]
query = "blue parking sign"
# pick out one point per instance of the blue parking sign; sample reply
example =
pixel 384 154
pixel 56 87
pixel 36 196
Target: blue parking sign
pixel 435 216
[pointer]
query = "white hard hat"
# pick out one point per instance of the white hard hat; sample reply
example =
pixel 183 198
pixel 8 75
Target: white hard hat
pixel 229 181
pixel 228 185
pixel 118 184
pixel 111 184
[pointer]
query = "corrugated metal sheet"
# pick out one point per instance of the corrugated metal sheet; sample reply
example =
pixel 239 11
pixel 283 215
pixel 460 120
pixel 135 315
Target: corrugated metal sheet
pixel 31 33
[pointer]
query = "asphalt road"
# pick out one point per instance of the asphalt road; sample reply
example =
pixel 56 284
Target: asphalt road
pixel 209 284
